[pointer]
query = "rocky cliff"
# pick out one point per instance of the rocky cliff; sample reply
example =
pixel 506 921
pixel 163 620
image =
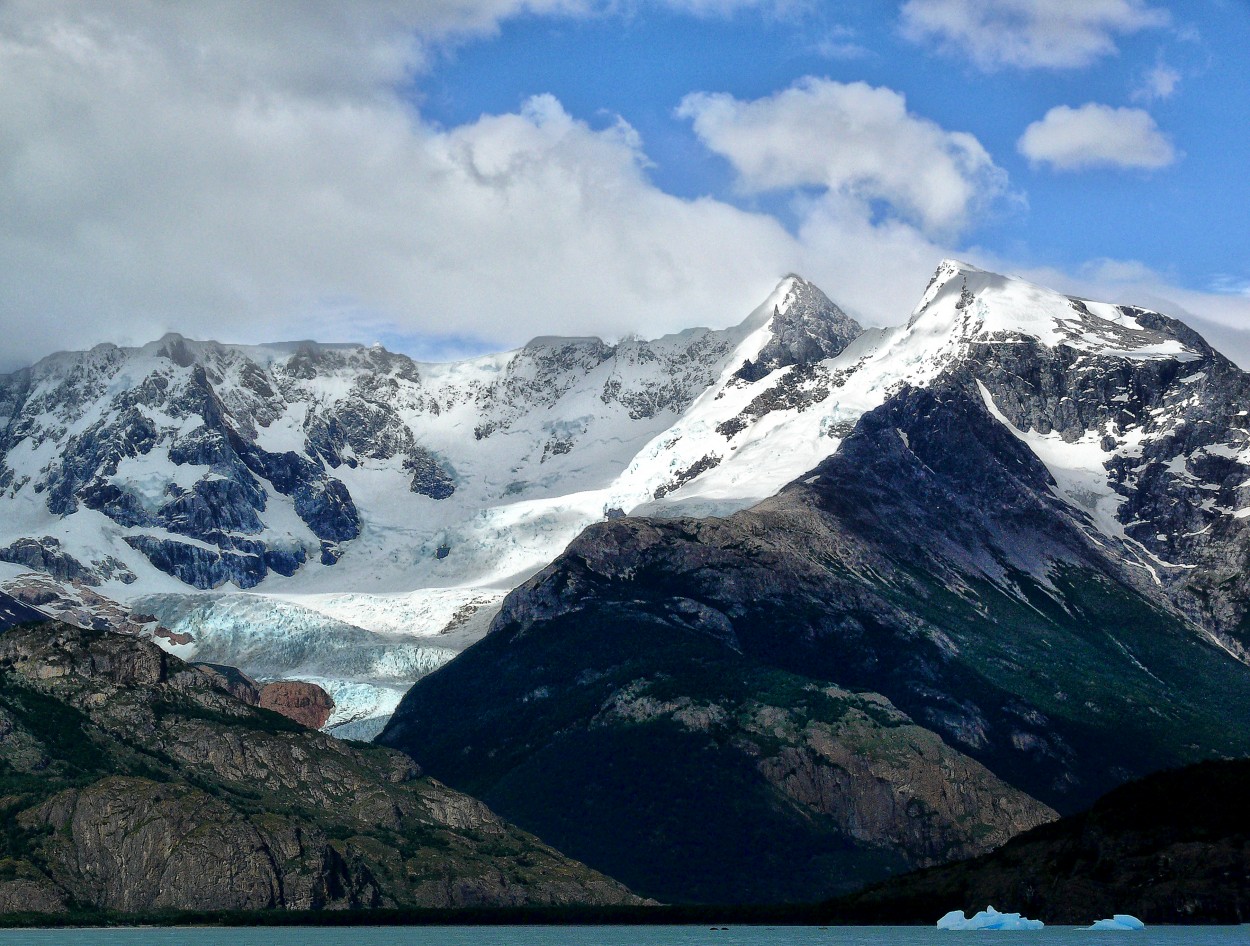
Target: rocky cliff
pixel 132 782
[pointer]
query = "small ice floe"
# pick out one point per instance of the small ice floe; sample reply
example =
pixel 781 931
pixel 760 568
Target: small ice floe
pixel 987 919
pixel 1120 921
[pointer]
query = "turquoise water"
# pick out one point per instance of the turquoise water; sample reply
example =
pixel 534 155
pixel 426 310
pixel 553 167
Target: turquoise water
pixel 620 936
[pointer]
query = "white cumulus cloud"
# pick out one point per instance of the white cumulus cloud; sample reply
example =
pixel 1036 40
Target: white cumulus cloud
pixel 1024 34
pixel 854 140
pixel 1095 135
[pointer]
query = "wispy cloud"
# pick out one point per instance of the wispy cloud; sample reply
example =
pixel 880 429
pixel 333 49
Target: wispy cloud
pixel 842 43
pixel 1230 285
pixel 1027 34
pixel 1160 82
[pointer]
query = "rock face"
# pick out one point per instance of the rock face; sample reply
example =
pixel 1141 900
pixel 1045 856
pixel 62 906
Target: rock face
pixel 77 603
pixel 133 782
pixel 807 328
pixel 46 555
pixel 982 653
pixel 1168 849
pixel 306 703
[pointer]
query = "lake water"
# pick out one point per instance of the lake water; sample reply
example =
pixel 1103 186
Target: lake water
pixel 619 936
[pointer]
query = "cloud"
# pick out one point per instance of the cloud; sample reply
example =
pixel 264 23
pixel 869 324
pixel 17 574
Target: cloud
pixel 1225 284
pixel 852 140
pixel 249 191
pixel 1026 34
pixel 1159 83
pixel 205 169
pixel 722 8
pixel 840 42
pixel 310 47
pixel 231 172
pixel 1094 135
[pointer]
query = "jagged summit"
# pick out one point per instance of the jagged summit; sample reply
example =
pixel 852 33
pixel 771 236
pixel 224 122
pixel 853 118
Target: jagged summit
pixel 806 326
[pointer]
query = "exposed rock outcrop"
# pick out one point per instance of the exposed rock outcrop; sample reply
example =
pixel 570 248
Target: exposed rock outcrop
pixel 306 703
pixel 134 782
pixel 807 327
pixel 1168 849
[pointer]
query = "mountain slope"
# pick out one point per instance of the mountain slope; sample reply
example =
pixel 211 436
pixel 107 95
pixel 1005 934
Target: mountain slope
pixel 361 496
pixel 1058 676
pixel 131 783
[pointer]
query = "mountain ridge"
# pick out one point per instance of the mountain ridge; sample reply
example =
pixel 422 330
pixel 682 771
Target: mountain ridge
pixel 135 783
pixel 372 495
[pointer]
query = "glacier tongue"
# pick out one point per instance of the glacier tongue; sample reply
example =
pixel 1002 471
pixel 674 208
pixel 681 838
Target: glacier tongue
pixel 365 672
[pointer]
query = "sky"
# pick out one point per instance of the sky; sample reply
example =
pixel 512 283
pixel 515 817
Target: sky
pixel 451 177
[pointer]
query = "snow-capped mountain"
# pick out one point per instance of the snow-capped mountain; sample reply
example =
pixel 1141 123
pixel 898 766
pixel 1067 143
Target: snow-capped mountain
pixel 1014 583
pixel 355 490
pixel 315 492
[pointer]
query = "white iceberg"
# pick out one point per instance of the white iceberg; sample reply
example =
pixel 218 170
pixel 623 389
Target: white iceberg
pixel 1120 921
pixel 987 919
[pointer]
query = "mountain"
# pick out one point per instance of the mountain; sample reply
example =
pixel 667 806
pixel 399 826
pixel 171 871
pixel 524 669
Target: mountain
pixel 1170 848
pixel 364 499
pixel 1013 581
pixel 131 782
pixel 823 603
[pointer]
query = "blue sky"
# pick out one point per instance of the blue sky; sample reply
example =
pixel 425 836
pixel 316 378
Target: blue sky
pixel 1187 219
pixel 453 176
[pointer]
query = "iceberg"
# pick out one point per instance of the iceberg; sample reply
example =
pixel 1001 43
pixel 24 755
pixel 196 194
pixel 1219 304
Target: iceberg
pixel 1120 921
pixel 987 919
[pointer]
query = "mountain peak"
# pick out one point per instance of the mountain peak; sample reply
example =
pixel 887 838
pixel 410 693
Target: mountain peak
pixel 974 304
pixel 805 325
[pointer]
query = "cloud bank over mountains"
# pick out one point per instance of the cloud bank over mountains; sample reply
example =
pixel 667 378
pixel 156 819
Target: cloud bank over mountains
pixel 261 171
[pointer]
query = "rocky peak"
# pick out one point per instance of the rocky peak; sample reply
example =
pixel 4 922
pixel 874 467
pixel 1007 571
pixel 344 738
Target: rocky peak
pixel 176 348
pixel 807 326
